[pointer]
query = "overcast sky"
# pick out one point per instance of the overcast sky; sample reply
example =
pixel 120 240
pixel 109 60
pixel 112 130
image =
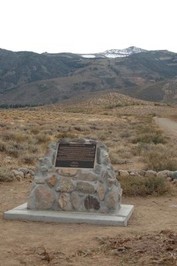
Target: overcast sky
pixel 87 26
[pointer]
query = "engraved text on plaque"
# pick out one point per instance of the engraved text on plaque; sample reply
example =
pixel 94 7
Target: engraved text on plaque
pixel 75 155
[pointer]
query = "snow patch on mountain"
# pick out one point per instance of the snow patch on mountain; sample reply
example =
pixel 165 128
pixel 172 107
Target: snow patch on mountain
pixel 114 53
pixel 88 55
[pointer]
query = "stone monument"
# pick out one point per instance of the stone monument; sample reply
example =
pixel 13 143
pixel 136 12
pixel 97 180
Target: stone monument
pixel 75 182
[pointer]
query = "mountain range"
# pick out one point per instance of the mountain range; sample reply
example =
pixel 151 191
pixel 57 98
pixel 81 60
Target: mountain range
pixel 28 78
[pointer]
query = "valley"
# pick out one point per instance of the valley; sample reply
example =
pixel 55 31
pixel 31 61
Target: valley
pixel 30 79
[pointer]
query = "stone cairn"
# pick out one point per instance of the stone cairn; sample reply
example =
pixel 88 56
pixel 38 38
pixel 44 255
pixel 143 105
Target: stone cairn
pixel 76 189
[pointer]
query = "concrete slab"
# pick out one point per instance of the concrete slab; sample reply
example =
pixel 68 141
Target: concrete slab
pixel 22 213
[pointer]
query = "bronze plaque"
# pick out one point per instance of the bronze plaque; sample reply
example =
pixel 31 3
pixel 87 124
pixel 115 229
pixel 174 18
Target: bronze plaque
pixel 76 155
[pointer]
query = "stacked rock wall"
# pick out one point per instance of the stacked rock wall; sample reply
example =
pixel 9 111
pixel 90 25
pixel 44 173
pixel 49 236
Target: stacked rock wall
pixel 76 189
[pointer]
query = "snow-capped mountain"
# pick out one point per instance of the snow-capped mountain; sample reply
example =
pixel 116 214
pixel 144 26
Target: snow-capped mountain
pixel 113 53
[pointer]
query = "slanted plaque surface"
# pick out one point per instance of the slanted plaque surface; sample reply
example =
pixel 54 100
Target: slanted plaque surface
pixel 75 155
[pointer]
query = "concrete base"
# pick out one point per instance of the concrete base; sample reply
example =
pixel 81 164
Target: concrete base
pixel 24 214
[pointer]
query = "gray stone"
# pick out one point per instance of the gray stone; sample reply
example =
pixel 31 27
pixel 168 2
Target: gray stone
pixel 64 202
pixel 26 171
pixel 141 172
pixel 52 146
pixel 32 173
pixel 150 173
pixel 85 187
pixel 164 173
pixel 105 157
pixel 134 173
pixel 98 155
pixel 65 185
pixel 107 174
pixel 46 162
pixel 44 198
pixel 91 203
pixel 44 169
pixel 101 191
pixel 123 173
pixel 17 173
pixel 112 198
pixel 76 200
pixel 28 175
pixel 97 169
pixel 39 180
pixel 68 172
pixel 86 176
pixel 112 181
pixel 52 180
pixel 174 175
pixel 111 173
pixel 52 170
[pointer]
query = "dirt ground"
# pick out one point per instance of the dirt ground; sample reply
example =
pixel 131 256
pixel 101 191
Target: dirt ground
pixel 34 243
pixel 149 239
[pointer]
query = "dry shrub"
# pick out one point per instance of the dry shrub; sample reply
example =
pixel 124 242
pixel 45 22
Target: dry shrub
pixel 13 151
pixel 155 137
pixel 42 138
pixel 20 137
pixel 159 161
pixel 35 130
pixel 15 136
pixel 2 146
pixel 103 135
pixel 5 175
pixel 114 158
pixel 146 131
pixel 120 152
pixel 61 135
pixel 125 133
pixel 144 186
pixel 157 157
pixel 29 159
pixel 32 148
pixel 8 135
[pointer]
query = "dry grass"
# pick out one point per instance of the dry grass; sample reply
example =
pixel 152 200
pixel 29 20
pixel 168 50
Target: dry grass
pixel 157 248
pixel 161 158
pixel 148 132
pixel 5 175
pixel 127 128
pixel 144 186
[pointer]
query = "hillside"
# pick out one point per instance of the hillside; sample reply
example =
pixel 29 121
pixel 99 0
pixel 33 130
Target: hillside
pixel 28 78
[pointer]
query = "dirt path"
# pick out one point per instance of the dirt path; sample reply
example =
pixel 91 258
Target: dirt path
pixel 168 125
